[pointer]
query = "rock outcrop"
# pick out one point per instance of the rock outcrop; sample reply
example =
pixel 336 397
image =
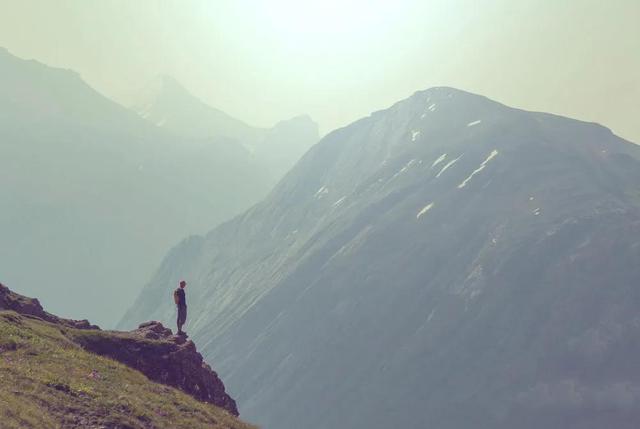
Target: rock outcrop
pixel 151 349
pixel 163 357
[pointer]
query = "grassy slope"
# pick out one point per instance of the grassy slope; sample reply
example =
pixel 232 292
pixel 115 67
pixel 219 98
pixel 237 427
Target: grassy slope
pixel 47 381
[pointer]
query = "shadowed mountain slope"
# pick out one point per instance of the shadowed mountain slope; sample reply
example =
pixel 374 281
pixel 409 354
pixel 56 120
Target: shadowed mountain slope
pixel 449 262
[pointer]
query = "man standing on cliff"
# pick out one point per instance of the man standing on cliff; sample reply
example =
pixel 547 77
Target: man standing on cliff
pixel 181 301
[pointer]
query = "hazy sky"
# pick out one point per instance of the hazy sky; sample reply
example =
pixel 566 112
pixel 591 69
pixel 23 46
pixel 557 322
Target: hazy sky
pixel 338 60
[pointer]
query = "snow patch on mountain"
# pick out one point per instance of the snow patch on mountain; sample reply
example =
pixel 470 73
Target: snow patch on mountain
pixel 321 192
pixel 479 169
pixel 404 168
pixel 446 167
pixel 340 201
pixel 424 210
pixel 439 160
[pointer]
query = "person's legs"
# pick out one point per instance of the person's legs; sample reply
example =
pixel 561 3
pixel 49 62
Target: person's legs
pixel 182 317
pixel 179 322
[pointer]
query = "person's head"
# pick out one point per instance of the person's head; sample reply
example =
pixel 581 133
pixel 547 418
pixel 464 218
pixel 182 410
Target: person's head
pixel 183 284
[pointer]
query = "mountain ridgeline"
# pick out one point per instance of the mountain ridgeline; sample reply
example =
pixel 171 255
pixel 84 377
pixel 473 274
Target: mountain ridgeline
pixel 171 107
pixel 93 195
pixel 449 262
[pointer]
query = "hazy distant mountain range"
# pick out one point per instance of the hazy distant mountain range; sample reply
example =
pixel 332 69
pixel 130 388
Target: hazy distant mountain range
pixel 170 106
pixel 92 194
pixel 449 262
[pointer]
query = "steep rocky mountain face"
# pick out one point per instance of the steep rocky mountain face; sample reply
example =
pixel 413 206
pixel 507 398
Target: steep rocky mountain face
pixel 170 106
pixel 91 195
pixel 449 262
pixel 63 373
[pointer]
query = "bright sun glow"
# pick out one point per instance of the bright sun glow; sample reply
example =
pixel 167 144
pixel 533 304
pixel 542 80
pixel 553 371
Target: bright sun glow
pixel 326 21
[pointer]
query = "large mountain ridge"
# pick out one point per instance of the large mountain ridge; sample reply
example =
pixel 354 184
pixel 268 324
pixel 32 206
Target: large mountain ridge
pixel 447 262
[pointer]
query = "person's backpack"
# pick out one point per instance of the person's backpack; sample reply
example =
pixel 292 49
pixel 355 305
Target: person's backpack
pixel 176 298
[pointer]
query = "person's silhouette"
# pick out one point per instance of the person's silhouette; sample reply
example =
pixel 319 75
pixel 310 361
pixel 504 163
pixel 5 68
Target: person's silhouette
pixel 180 299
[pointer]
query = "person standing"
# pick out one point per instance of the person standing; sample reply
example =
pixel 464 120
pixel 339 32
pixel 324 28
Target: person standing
pixel 180 299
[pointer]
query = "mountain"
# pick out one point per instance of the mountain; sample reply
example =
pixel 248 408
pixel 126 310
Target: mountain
pixel 281 146
pixel 93 195
pixel 64 373
pixel 166 103
pixel 449 262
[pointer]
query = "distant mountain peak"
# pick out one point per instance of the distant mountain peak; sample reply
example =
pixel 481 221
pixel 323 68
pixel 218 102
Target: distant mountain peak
pixel 168 85
pixel 39 91
pixel 166 103
pixel 163 87
pixel 296 121
pixel 167 79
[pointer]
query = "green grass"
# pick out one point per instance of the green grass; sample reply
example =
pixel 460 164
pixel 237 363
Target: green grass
pixel 47 381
